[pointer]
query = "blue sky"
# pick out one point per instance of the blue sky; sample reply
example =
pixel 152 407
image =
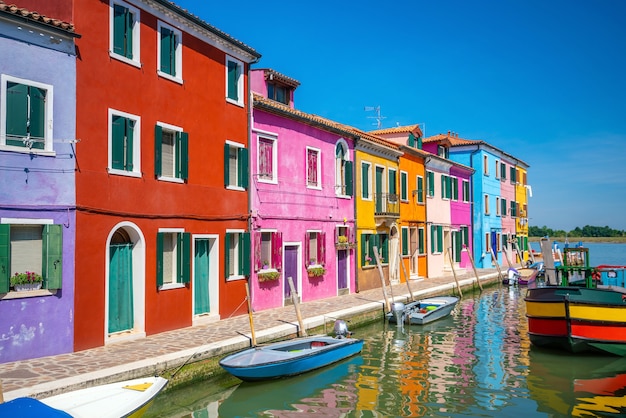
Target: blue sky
pixel 542 80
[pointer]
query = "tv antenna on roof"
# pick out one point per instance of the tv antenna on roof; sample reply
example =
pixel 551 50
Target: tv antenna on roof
pixel 378 117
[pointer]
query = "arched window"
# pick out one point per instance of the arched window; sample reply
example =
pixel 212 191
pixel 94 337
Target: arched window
pixel 343 170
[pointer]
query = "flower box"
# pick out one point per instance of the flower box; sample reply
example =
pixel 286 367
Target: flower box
pixel 316 271
pixel 27 287
pixel 26 281
pixel 268 276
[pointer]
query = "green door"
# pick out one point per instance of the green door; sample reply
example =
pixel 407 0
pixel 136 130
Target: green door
pixel 201 277
pixel 120 288
pixel 379 189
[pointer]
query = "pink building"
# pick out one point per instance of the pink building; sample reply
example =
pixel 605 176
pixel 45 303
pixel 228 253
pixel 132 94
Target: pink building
pixel 301 198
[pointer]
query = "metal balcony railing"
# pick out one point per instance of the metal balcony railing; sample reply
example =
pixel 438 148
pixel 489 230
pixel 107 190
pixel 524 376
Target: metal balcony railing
pixel 387 204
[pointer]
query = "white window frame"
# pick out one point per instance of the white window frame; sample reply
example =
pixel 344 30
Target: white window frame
pixel 48 143
pixel 486 203
pixel 498 204
pixel 269 260
pixel 406 189
pixel 274 179
pixel 497 169
pixel 172 232
pixel 235 185
pixel 369 181
pixel 340 169
pixel 240 92
pixel 136 145
pixel 420 199
pixel 171 128
pixel 485 165
pixel 237 262
pixel 136 60
pixel 318 186
pixel 465 196
pixel 178 71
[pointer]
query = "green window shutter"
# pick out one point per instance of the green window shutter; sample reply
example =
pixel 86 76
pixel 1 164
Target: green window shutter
pixel 5 257
pixel 182 155
pixel 405 241
pixel 128 33
pixel 392 182
pixel 184 241
pixel 166 50
pixel 53 256
pixel 119 29
pixel 159 254
pixel 17 113
pixel 443 186
pixel 420 237
pixel 37 122
pixel 242 163
pixel 363 248
pixel 233 78
pixel 448 187
pixel 419 142
pixel 227 248
pixel 384 244
pixel 403 186
pixel 455 188
pixel 513 175
pixel 440 238
pixel 158 146
pixel 130 131
pixel 244 254
pixel 348 167
pixel 118 131
pixel 411 141
pixel 432 238
pixel 420 189
pixel 430 183
pixel 226 164
pixel 364 181
pixel 459 246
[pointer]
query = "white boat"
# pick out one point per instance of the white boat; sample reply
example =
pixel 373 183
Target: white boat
pixel 129 398
pixel 422 311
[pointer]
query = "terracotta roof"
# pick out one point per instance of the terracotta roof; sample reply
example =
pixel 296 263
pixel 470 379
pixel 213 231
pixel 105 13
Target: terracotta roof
pixel 272 106
pixel 36 17
pixel 398 130
pixel 275 75
pixel 454 139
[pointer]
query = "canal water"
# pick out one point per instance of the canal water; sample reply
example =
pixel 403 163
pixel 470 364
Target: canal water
pixel 476 363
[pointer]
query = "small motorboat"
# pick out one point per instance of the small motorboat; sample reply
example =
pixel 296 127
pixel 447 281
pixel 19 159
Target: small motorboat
pixel 129 398
pixel 293 357
pixel 422 311
pixel 524 276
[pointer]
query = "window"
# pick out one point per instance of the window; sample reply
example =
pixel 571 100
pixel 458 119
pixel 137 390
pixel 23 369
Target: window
pixel 498 242
pixel 421 240
pixel 513 175
pixel 404 186
pixel 393 191
pixel 314 249
pixel 486 199
pixel 498 206
pixel 485 165
pixel 503 206
pixel 443 152
pixel 455 188
pixel 487 242
pixel 513 209
pixel 170 152
pixel 446 187
pixel 405 241
pixel 267 159
pixel 466 191
pixel 268 249
pixel 278 93
pixel 235 166
pixel 502 171
pixel 25 114
pixel 234 81
pixel 173 258
pixel 430 183
pixel 414 142
pixel 169 50
pixel 313 168
pixel 124 38
pixel 420 189
pixel 436 239
pixel 465 236
pixel 366 181
pixel 497 169
pixel 237 254
pixel 343 170
pixel 31 247
pixel 368 242
pixel 124 144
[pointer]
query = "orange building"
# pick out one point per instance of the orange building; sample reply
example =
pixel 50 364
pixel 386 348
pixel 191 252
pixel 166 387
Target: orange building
pixel 161 169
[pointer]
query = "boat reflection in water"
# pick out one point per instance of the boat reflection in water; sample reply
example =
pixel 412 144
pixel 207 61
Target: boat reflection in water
pixel 332 386
pixel 577 386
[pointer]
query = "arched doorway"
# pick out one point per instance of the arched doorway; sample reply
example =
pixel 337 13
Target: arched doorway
pixel 394 257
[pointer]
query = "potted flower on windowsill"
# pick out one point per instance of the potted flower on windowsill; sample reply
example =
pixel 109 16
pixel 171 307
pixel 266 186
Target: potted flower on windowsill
pixel 26 281
pixel 368 260
pixel 268 276
pixel 316 271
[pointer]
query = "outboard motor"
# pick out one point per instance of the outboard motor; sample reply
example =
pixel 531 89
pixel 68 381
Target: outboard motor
pixel 513 276
pixel 398 311
pixel 341 329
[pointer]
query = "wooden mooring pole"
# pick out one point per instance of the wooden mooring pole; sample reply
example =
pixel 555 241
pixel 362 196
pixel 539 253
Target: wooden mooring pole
pixel 382 280
pixel 458 286
pixel 296 304
pixel 252 336
pixel 469 254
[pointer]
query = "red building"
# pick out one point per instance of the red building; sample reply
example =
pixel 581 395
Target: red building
pixel 162 169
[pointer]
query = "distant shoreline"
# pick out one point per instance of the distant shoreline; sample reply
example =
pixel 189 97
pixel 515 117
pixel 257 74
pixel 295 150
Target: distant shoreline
pixel 614 240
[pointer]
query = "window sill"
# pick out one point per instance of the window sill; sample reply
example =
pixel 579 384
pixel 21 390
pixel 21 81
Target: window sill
pixel 171 180
pixel 170 77
pixel 28 294
pixel 235 188
pixel 170 286
pixel 118 172
pixel 124 59
pixel 235 277
pixel 235 102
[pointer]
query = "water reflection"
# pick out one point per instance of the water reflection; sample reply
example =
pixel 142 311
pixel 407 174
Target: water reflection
pixel 478 362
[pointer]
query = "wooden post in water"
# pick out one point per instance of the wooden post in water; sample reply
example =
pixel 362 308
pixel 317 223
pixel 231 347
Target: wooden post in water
pixel 406 276
pixel 458 287
pixel 497 265
pixel 469 254
pixel 296 304
pixel 382 279
pixel 252 336
pixel 506 255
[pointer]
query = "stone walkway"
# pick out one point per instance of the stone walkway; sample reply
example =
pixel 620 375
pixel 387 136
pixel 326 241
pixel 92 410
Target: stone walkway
pixel 169 350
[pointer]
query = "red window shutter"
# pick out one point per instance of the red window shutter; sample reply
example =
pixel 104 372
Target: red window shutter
pixel 258 262
pixel 277 250
pixel 321 248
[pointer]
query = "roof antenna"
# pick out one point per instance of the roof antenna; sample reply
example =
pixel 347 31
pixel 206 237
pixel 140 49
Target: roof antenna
pixel 378 117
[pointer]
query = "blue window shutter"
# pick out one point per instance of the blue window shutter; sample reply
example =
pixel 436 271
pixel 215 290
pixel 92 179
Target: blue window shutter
pixel 182 155
pixel 159 253
pixel 226 164
pixel 53 256
pixel 5 257
pixel 158 149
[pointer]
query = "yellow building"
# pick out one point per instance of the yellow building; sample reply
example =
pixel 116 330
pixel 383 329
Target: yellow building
pixel 522 193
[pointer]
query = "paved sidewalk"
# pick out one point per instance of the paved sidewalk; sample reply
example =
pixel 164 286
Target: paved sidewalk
pixel 169 350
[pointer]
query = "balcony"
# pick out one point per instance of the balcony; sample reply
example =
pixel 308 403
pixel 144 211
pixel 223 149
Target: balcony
pixel 387 205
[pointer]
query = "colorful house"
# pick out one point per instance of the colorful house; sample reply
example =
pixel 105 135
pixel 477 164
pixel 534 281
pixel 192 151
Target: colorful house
pixel 412 198
pixel 37 160
pixel 522 193
pixel 161 170
pixel 301 198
